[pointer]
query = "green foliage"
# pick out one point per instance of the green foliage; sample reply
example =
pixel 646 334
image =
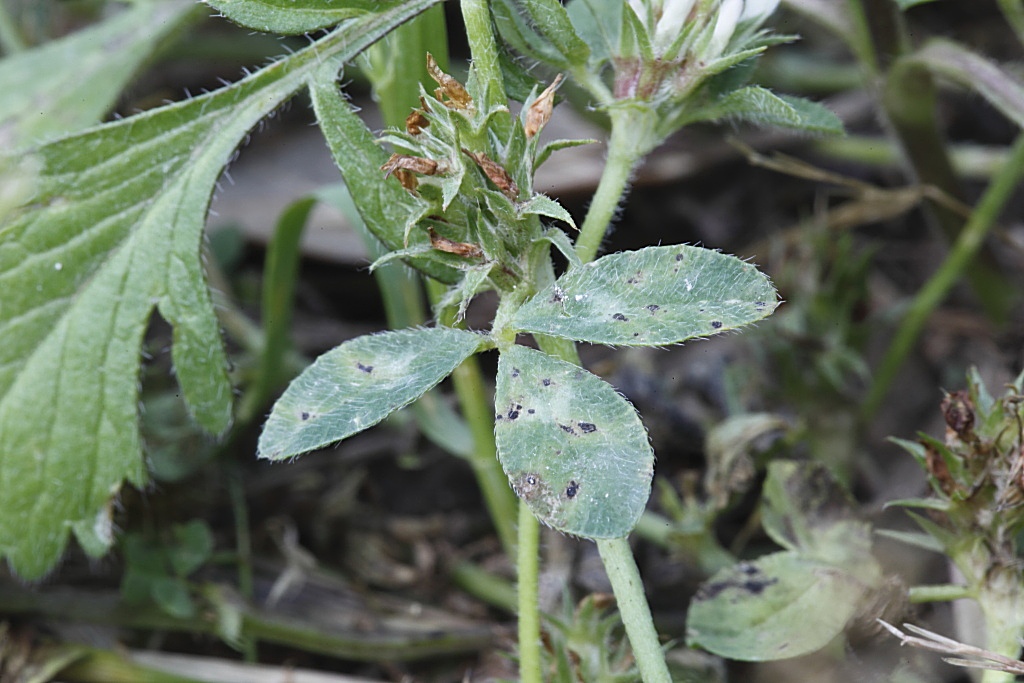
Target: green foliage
pixel 358 384
pixel 111 231
pixel 650 297
pixel 770 608
pixel 157 570
pixel 68 84
pixel 290 18
pixel 586 644
pixel 572 447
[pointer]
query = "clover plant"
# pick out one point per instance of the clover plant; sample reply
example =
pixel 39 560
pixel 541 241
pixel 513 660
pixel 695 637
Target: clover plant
pixel 103 227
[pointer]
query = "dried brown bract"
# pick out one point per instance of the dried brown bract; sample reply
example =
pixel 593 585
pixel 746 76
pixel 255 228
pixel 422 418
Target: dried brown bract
pixel 405 162
pixel 464 249
pixel 496 173
pixel 416 122
pixel 539 112
pixel 458 97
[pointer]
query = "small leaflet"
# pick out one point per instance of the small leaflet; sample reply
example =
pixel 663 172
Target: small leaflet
pixel 573 448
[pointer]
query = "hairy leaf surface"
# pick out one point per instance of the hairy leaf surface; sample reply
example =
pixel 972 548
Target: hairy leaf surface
pixel 650 297
pixel 573 448
pixel 356 385
pixel 111 231
pixel 291 17
pixel 65 85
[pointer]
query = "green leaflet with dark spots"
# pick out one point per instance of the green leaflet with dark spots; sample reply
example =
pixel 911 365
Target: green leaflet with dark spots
pixel 650 297
pixel 573 448
pixel 356 385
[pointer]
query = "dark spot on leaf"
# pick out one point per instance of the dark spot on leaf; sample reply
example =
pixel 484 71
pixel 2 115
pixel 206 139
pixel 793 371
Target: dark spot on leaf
pixel 546 382
pixel 528 485
pixel 364 368
pixel 499 417
pixel 653 307
pixel 619 316
pixel 716 324
pixel 572 489
pixel 531 411
pixel 558 297
pixel 588 427
pixel 679 257
pixel 515 372
pixel 759 305
pixel 568 429
pixel 751 582
pixel 636 334
pixel 304 415
pixel 513 414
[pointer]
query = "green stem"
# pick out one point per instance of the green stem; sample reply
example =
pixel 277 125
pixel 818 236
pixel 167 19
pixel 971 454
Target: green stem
pixel 529 614
pixel 938 593
pixel 636 615
pixel 476 15
pixel 475 401
pixel 629 142
pixel 935 290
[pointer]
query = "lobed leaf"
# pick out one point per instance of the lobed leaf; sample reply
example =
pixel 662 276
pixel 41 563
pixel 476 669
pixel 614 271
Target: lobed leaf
pixel 113 230
pixel 65 85
pixel 573 448
pixel 356 385
pixel 291 17
pixel 650 297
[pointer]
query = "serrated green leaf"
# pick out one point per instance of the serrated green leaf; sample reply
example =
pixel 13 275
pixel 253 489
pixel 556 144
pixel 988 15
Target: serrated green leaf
pixel 386 208
pixel 650 297
pixel 356 385
pixel 561 241
pixel 764 108
pixel 292 17
pixel 70 83
pixel 971 70
pixel 112 231
pixel 772 608
pixel 573 448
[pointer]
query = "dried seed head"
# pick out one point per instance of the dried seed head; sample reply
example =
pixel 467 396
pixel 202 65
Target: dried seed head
pixel 409 163
pixel 495 173
pixel 464 249
pixel 540 111
pixel 458 97
pixel 416 122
